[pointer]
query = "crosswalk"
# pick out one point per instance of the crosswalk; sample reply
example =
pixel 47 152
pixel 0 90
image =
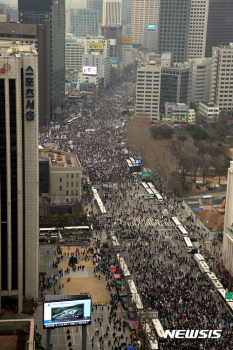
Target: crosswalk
pixel 146 222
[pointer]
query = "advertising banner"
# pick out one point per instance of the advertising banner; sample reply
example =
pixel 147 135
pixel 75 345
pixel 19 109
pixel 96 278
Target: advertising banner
pixel 126 41
pixel 113 60
pixel 151 26
pixel 95 47
pixel 89 70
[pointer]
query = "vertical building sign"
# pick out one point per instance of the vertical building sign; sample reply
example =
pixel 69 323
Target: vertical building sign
pixel 30 115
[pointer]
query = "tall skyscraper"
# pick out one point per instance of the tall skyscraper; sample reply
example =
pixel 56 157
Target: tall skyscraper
pixel 198 28
pixel 222 77
pixel 84 22
pixel 173 30
pixel 144 13
pixel 126 11
pixel 53 10
pixel 98 5
pixel 111 12
pixel 220 24
pixel 90 4
pixel 19 176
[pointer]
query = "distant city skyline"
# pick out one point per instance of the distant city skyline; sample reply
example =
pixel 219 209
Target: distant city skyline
pixel 75 3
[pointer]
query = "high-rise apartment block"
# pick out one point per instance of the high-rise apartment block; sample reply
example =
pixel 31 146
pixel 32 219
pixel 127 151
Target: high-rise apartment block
pixel 90 4
pixel 220 24
pixel 144 13
pixel 148 90
pixel 126 11
pixel 75 48
pixel 111 12
pixel 198 28
pixel 221 81
pixel 19 176
pixel 35 12
pixel 173 32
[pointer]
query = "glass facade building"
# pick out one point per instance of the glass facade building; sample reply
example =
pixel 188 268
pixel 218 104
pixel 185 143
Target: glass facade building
pixel 54 11
pixel 98 6
pixel 173 33
pixel 220 24
pixel 175 86
pixel 84 22
pixel 43 175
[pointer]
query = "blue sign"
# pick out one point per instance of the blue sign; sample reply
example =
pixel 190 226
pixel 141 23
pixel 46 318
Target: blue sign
pixel 113 60
pixel 151 26
pixel 138 161
pixel 30 115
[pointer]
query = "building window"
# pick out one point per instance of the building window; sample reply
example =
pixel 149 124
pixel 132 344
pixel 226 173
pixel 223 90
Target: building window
pixel 60 188
pixel 71 192
pixel 72 184
pixel 60 179
pixel 67 184
pixel 72 175
pixel 76 183
pixel 67 200
pixel 76 192
pixel 67 192
pixel 76 176
pixel 67 176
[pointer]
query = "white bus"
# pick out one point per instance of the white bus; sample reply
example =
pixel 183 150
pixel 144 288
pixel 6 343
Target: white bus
pixel 145 186
pixel 77 228
pixel 217 284
pixel 182 231
pixel 159 332
pixel 211 276
pixel 204 268
pixel 175 221
pixel 188 245
pixel 151 340
pixel 159 197
pixel 150 193
pixel 48 231
pixel 151 185
pixel 230 307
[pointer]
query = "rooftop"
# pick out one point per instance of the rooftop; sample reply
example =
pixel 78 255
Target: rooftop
pixel 60 159
pixel 15 47
pixel 209 104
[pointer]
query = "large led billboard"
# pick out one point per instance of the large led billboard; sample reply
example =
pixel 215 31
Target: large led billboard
pixel 89 70
pixel 66 313
pixel 151 26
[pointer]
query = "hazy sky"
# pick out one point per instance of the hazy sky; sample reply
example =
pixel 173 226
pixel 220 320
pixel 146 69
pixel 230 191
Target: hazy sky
pixel 75 3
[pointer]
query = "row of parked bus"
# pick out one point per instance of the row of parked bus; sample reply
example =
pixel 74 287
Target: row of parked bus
pixel 151 191
pixel 217 286
pixel 190 248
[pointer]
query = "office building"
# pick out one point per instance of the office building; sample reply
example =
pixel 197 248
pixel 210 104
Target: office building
pixel 200 69
pixel 144 13
pixel 198 28
pixel 90 4
pixel 84 22
pixel 19 192
pixel 111 12
pixel 97 55
pixel 192 117
pixel 227 249
pixel 75 48
pixel 176 112
pixel 98 6
pixel 173 31
pixel 148 90
pixel 220 24
pixel 221 81
pixel 114 33
pixel 3 17
pixel 126 54
pixel 126 11
pixel 175 84
pixel 209 110
pixel 39 35
pixel 54 11
pixel 65 176
pixel 150 41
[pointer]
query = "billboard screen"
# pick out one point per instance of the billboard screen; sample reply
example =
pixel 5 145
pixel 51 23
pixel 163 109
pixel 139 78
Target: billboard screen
pixel 113 60
pixel 66 313
pixel 89 70
pixel 151 26
pixel 126 41
pixel 138 161
pixel 95 47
